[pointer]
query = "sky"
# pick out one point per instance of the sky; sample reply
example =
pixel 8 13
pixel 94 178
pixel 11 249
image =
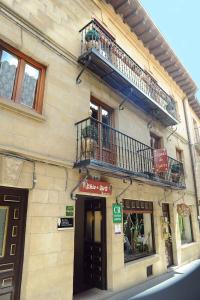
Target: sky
pixel 179 23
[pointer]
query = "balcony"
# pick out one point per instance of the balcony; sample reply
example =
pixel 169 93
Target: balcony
pixel 103 56
pixel 112 153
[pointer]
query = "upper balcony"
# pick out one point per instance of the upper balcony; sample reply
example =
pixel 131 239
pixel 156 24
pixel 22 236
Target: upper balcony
pixel 112 153
pixel 103 56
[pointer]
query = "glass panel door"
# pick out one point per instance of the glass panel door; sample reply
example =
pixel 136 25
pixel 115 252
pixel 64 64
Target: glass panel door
pixel 3 228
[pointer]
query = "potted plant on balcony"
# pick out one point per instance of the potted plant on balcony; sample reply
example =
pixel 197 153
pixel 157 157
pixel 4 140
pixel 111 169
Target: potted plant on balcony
pixel 171 107
pixel 92 38
pixel 89 136
pixel 176 172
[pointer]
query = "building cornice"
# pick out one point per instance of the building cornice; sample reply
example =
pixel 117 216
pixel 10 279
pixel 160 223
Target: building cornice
pixel 135 16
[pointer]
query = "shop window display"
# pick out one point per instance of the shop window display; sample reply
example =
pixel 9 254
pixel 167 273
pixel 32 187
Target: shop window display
pixel 138 229
pixel 185 227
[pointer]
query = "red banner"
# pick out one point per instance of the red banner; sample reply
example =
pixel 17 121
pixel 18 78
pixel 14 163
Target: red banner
pixel 96 187
pixel 160 160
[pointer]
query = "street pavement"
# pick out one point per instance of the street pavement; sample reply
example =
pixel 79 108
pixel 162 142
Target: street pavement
pixel 178 283
pixel 181 283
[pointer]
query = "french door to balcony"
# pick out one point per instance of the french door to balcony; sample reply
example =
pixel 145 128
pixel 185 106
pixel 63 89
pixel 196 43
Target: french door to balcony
pixel 106 140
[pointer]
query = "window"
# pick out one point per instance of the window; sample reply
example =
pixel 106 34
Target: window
pixel 138 229
pixel 103 120
pixel 21 78
pixel 155 141
pixel 185 227
pixel 104 115
pixel 196 132
pixel 179 155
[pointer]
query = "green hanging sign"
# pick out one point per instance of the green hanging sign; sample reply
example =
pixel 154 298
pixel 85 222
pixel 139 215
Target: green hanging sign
pixel 117 213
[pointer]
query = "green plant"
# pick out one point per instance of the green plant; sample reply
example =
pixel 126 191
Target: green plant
pixel 90 131
pixel 92 35
pixel 176 168
pixel 181 227
pixel 171 106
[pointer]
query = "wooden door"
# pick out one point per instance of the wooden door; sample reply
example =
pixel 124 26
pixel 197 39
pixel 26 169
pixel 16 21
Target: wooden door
pixel 168 242
pixel 106 135
pixel 13 205
pixel 90 244
pixel 95 243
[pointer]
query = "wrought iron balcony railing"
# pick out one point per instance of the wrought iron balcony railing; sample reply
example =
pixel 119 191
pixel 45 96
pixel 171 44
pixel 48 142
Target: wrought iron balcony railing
pixel 101 54
pixel 106 149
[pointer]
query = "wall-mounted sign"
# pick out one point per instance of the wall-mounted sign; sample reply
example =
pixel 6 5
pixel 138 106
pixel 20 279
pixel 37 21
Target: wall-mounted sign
pixel 183 209
pixel 69 211
pixel 160 160
pixel 96 187
pixel 117 213
pixel 65 223
pixel 118 229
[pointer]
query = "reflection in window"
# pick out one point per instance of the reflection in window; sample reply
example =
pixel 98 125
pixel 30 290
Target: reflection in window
pixel 97 226
pixel 138 234
pixel 106 132
pixel 94 109
pixel 21 78
pixel 89 221
pixel 185 227
pixel 3 229
pixel 8 67
pixel 29 85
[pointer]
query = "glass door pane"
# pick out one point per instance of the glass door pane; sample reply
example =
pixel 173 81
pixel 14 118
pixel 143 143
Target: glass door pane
pixel 89 224
pixel 97 226
pixel 3 228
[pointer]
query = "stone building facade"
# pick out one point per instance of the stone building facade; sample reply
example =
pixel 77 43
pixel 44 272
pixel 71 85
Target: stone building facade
pixel 124 105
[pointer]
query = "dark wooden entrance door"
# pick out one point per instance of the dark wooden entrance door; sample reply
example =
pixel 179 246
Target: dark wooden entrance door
pixel 13 205
pixel 90 251
pixel 168 242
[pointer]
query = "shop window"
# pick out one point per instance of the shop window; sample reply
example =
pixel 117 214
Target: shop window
pixel 185 227
pixel 138 229
pixel 21 78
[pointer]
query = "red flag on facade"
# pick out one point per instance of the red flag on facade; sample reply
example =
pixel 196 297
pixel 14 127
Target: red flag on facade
pixel 160 160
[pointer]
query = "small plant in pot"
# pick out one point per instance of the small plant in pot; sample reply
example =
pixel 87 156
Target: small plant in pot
pixel 89 141
pixel 176 172
pixel 92 38
pixel 171 108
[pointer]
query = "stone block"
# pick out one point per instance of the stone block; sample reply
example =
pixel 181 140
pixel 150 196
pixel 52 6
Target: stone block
pixel 46 210
pixel 45 243
pixel 53 197
pixel 39 196
pixel 44 182
pixel 43 225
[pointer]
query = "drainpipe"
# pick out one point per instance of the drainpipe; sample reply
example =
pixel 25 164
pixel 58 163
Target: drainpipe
pixel 191 157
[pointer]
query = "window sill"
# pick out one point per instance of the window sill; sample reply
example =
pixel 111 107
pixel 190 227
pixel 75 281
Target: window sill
pixel 184 246
pixel 20 109
pixel 144 260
